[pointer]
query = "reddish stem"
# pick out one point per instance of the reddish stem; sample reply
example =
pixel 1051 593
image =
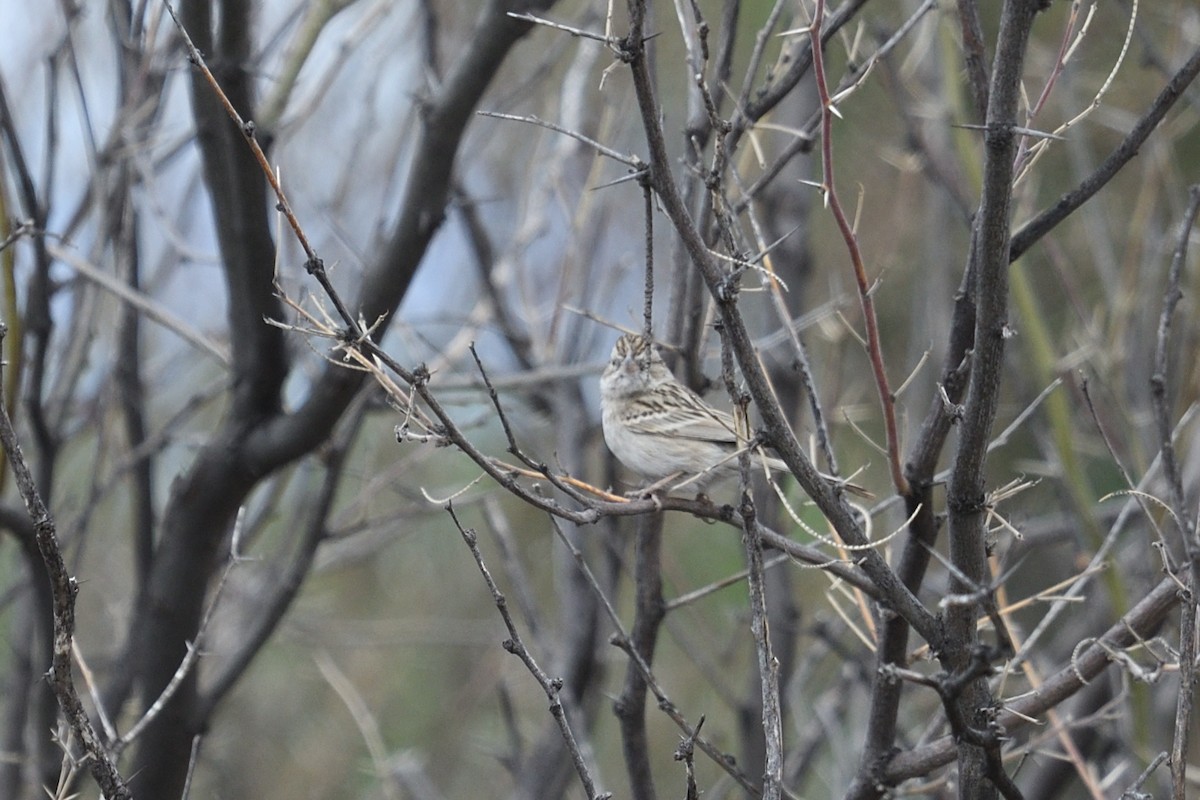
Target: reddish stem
pixel 874 350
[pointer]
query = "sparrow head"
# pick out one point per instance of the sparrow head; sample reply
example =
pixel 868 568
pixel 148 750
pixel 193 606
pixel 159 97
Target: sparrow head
pixel 634 367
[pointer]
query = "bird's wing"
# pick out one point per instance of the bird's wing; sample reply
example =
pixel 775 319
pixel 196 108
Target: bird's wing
pixel 690 418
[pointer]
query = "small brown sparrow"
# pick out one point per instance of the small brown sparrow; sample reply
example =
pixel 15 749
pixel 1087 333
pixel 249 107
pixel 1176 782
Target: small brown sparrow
pixel 660 428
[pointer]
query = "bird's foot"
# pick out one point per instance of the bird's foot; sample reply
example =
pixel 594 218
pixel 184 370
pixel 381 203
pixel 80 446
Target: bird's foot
pixel 651 490
pixel 649 493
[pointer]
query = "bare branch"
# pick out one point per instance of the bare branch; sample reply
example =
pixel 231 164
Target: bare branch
pixel 551 686
pixel 64 589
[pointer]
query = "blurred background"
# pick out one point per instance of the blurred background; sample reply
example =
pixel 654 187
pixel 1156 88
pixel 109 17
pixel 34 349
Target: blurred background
pixel 350 647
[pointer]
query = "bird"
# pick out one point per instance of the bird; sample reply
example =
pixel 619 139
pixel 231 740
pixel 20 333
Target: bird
pixel 661 429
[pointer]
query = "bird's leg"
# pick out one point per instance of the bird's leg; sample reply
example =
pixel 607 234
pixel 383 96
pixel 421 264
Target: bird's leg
pixel 704 499
pixel 649 491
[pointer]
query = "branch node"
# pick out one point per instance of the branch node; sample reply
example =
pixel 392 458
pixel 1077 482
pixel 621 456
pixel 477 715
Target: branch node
pixel 952 409
pixel 727 290
pixel 964 505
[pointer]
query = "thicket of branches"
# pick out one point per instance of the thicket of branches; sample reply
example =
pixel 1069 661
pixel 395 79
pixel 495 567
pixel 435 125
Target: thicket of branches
pixel 304 309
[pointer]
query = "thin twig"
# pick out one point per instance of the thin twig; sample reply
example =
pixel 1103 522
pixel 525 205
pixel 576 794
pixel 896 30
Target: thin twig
pixel 314 265
pixel 648 291
pixel 726 762
pixel 560 484
pixel 1158 381
pixel 558 26
pixel 716 586
pixel 551 686
pixel 1043 223
pixel 1182 513
pixel 188 662
pixel 768 664
pixel 360 711
pixel 64 589
pixel 1134 791
pixel 633 162
pixel 144 304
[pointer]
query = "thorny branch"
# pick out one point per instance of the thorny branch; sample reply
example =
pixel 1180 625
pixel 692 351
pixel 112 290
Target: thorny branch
pixel 979 761
pixel 777 431
pixel 887 400
pixel 585 509
pixel 1138 623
